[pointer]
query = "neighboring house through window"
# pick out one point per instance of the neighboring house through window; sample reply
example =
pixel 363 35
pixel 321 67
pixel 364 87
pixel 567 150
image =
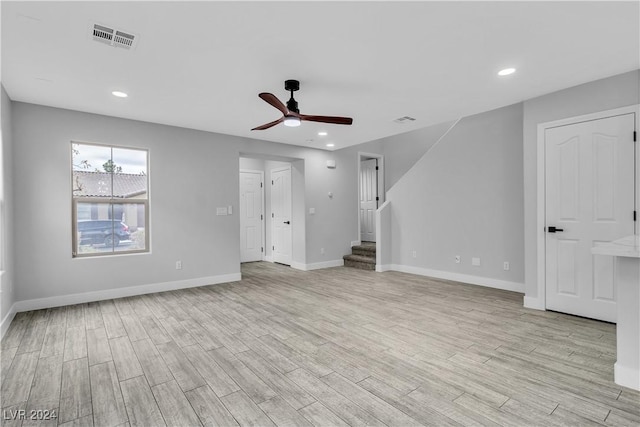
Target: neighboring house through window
pixel 110 199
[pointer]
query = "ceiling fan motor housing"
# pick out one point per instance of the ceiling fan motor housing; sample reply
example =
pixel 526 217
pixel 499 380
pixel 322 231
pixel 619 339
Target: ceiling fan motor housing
pixel 291 85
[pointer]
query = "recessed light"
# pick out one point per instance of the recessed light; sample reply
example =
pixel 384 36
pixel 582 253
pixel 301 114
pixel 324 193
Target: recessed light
pixel 506 71
pixel 119 94
pixel 330 145
pixel 322 133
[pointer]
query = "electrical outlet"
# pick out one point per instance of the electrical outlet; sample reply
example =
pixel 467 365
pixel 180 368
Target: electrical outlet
pixel 178 265
pixel 457 259
pixel 321 251
pixel 415 254
pixel 475 261
pixel 506 266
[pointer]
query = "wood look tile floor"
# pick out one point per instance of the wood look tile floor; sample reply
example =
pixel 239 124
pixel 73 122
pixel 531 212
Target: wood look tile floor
pixel 331 347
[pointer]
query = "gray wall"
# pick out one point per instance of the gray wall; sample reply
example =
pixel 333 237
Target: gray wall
pixel 7 292
pixel 191 173
pixel 613 92
pixel 464 197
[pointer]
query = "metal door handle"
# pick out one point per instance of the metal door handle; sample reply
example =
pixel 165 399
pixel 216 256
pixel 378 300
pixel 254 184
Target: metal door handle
pixel 554 230
pixel 287 222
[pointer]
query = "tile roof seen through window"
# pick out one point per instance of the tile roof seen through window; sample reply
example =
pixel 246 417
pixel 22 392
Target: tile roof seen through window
pixel 98 184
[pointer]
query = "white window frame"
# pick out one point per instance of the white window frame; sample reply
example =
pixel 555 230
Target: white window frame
pixel 112 201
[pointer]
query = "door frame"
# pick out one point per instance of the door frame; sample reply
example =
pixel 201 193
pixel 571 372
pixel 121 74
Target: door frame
pixel 289 167
pixel 541 300
pixel 264 215
pixel 381 193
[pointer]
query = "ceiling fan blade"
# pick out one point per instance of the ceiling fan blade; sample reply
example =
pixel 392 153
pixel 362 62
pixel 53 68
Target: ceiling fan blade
pixel 270 124
pixel 327 119
pixel 272 100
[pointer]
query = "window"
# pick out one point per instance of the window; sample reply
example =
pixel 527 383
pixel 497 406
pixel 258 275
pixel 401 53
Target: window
pixel 110 187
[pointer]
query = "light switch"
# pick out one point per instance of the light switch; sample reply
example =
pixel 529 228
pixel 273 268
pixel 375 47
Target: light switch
pixel 312 211
pixel 230 209
pixel 221 211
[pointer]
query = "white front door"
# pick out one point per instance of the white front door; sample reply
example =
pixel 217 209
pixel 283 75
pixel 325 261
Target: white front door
pixel 589 185
pixel 251 216
pixel 281 215
pixel 368 199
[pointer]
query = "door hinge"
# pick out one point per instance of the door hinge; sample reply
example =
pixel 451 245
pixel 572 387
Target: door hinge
pixel 261 248
pixel 635 214
pixel 635 134
pixel 376 168
pixel 377 198
pixel 261 217
pixel 271 182
pixel 260 185
pixel 271 214
pixel 273 248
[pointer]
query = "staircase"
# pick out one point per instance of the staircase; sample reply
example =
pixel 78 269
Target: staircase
pixel 362 256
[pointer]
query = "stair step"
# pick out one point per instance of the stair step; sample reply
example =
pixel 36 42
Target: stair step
pixel 359 265
pixel 360 258
pixel 364 252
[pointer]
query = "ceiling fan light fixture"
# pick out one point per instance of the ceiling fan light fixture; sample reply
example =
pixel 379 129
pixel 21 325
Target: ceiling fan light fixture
pixel 292 121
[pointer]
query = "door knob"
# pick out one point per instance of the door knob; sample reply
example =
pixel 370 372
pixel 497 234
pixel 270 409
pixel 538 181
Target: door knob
pixel 554 229
pixel 287 222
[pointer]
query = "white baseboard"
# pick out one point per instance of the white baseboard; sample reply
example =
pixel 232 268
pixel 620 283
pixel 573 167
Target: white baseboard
pixel 464 278
pixel 626 376
pixel 317 265
pixel 57 301
pixel 268 259
pixel 4 326
pixel 380 268
pixel 356 243
pixel 534 303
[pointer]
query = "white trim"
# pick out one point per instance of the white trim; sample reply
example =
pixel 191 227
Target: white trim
pixel 464 278
pixel 268 259
pixel 317 265
pixel 381 268
pixel 7 321
pixel 540 183
pixel 356 242
pixel 626 377
pixel 534 303
pixel 57 301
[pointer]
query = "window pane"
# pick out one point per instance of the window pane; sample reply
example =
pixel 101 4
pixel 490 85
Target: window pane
pixel 129 173
pixel 94 235
pixel 133 220
pixel 90 179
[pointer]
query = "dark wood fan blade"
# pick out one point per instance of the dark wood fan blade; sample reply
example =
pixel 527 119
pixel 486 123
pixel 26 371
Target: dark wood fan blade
pixel 270 124
pixel 272 100
pixel 327 119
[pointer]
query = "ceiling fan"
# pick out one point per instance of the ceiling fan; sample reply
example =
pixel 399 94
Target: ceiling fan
pixel 291 114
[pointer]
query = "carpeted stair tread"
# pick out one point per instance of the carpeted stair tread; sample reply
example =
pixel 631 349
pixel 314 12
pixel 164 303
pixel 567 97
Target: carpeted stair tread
pixel 360 258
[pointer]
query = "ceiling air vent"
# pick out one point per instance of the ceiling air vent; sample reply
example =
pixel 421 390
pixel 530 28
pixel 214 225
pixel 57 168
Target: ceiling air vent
pixel 405 119
pixel 113 37
pixel 102 34
pixel 123 39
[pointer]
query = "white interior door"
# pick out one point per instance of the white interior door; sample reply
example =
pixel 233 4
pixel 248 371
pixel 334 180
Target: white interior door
pixel 251 216
pixel 589 174
pixel 368 199
pixel 281 215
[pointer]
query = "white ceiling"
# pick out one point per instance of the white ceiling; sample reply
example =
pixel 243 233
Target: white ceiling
pixel 201 65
